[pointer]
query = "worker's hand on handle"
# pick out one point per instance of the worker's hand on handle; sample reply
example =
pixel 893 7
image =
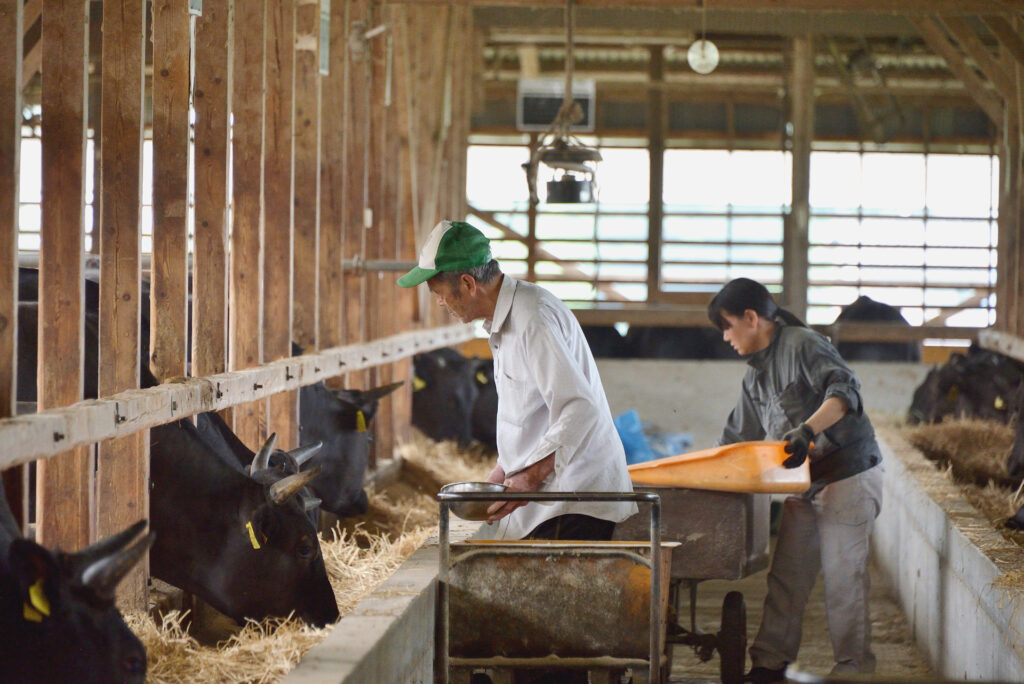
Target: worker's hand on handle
pixel 529 479
pixel 497 475
pixel 799 441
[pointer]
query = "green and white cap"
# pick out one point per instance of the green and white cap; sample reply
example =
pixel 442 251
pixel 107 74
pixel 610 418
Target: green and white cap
pixel 451 246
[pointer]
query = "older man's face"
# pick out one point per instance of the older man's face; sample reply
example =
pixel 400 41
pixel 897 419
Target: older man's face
pixel 457 299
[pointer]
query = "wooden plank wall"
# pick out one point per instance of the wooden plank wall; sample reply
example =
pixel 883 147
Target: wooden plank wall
pixel 358 163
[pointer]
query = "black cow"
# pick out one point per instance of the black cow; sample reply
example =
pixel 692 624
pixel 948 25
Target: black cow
pixel 445 390
pixel 867 309
pixel 242 542
pixel 58 621
pixel 678 343
pixel 485 408
pixel 606 342
pixel 980 384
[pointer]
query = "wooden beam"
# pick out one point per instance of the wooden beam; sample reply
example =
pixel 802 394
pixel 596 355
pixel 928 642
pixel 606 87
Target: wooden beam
pixel 279 174
pixel 776 6
pixel 169 272
pixel 567 266
pixel 122 466
pixel 33 62
pixel 246 299
pixel 10 171
pixel 44 434
pixel 795 239
pixel 1007 251
pixel 979 52
pixel 63 483
pixel 212 96
pixel 1002 342
pixel 310 271
pixel 657 129
pixel 938 42
pixel 1007 36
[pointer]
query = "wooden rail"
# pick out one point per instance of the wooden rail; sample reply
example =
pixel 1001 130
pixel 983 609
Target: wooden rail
pixel 54 431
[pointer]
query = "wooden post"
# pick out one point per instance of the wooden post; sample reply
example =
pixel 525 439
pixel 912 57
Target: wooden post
pixel 1007 253
pixel 357 127
pixel 657 124
pixel 122 467
pixel 169 268
pixel 277 238
pixel 247 233
pixel 309 268
pixel 11 18
pixel 209 261
pixel 63 481
pixel 795 239
pixel 332 178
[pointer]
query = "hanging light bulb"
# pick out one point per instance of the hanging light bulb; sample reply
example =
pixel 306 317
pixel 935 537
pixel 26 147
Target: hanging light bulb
pixel 703 54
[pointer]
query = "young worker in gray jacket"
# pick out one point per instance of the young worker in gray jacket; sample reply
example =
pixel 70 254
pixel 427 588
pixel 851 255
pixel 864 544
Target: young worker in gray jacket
pixel 799 390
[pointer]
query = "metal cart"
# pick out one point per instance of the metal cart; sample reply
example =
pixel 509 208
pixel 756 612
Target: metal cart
pixel 552 604
pixel 721 535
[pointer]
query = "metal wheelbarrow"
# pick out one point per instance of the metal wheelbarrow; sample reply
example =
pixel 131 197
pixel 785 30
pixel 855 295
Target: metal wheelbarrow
pixel 510 605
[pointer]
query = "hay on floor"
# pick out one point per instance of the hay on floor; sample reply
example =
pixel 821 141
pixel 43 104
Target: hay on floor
pixel 358 557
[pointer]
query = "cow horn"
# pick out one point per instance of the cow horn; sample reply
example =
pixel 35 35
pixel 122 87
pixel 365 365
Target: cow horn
pixel 285 488
pixel 262 459
pixel 105 574
pixel 305 452
pixel 310 502
pixel 104 548
pixel 380 392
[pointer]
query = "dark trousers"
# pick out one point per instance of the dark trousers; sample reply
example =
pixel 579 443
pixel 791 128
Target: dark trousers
pixel 569 527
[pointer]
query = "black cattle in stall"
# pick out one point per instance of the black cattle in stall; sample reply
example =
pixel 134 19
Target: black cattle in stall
pixel 58 621
pixel 485 408
pixel 657 342
pixel 606 342
pixel 445 391
pixel 243 542
pixel 978 384
pixel 1015 464
pixel 866 309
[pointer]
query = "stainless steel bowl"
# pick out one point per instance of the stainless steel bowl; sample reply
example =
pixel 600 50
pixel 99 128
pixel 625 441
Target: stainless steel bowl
pixel 472 510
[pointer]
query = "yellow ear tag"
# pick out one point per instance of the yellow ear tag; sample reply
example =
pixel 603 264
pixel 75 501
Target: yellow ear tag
pixel 40 604
pixel 1000 404
pixel 252 536
pixel 418 383
pixel 481 378
pixel 360 422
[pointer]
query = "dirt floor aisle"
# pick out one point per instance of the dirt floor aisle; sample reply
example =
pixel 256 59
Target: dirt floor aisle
pixel 892 641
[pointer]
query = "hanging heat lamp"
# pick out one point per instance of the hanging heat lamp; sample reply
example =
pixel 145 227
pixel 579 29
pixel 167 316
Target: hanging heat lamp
pixel 703 54
pixel 573 163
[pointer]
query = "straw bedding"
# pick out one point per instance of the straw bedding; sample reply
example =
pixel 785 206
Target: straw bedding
pixel 360 555
pixel 973 454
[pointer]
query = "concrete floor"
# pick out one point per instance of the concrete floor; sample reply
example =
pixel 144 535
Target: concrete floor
pixel 892 641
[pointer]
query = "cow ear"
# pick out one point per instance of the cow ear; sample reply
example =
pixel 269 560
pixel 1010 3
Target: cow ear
pixel 37 577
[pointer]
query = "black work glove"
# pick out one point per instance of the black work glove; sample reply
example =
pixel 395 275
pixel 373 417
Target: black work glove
pixel 798 442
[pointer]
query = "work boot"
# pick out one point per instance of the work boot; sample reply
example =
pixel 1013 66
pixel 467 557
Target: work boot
pixel 764 675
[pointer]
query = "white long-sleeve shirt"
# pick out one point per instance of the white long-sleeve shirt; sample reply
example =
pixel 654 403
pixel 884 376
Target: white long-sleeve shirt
pixel 550 400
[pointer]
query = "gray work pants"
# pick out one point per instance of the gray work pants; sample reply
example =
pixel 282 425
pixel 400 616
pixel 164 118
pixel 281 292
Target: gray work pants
pixel 830 533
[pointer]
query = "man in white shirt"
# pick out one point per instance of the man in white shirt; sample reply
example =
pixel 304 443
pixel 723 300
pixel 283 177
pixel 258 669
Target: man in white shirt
pixel 555 430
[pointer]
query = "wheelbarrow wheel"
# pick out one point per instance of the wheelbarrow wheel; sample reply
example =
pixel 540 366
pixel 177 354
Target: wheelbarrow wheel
pixel 732 638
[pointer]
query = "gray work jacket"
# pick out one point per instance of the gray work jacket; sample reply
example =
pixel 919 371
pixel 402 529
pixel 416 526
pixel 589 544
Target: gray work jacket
pixel 787 381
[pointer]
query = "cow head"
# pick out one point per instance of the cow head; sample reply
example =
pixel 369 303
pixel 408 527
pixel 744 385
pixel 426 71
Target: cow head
pixel 58 621
pixel 1015 464
pixel 444 392
pixel 485 408
pixel 340 419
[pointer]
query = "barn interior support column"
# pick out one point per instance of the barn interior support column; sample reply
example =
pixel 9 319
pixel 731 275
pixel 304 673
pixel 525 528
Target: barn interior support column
pixel 1008 250
pixel 10 168
pixel 311 292
pixel 246 300
pixel 357 160
pixel 169 271
pixel 63 481
pixel 279 224
pixel 122 467
pixel 795 236
pixel 212 98
pixel 328 122
pixel 657 123
pixel 1015 152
